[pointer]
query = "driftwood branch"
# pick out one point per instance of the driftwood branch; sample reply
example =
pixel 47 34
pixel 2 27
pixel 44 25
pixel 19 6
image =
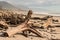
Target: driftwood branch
pixel 23 27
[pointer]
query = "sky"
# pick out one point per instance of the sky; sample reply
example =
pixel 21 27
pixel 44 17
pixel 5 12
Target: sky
pixel 38 5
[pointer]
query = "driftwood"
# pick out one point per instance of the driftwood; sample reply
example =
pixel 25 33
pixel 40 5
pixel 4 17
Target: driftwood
pixel 22 27
pixel 47 23
pixel 3 25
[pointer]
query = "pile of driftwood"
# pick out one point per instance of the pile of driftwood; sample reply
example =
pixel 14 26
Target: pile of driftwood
pixel 21 24
pixel 14 19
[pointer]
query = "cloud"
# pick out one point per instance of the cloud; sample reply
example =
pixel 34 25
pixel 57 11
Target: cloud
pixel 34 2
pixel 37 4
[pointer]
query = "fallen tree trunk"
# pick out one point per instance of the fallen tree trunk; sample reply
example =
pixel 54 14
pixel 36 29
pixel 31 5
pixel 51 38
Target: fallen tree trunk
pixel 15 30
pixel 24 26
pixel 21 28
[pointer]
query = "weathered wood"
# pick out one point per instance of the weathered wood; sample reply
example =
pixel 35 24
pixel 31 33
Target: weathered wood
pixel 15 30
pixel 47 23
pixel 4 25
pixel 23 27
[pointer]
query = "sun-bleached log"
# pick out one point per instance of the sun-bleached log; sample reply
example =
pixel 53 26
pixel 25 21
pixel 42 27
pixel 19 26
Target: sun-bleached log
pixel 23 27
pixel 20 27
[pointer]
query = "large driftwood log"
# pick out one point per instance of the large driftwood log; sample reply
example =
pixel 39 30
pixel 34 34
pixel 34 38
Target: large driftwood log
pixel 23 27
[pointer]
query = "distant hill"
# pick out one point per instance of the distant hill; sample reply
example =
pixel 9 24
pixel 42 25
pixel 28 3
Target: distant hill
pixel 6 5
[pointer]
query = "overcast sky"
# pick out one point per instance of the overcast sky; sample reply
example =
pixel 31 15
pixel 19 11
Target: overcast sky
pixel 50 5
